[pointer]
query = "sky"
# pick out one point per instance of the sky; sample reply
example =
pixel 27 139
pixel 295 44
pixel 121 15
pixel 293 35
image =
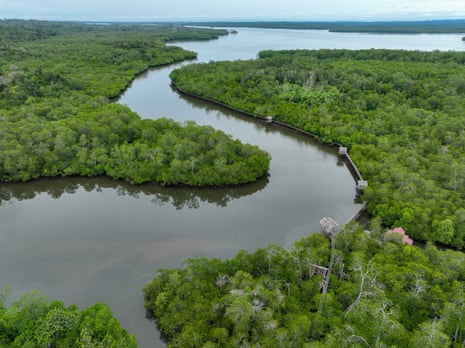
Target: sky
pixel 198 10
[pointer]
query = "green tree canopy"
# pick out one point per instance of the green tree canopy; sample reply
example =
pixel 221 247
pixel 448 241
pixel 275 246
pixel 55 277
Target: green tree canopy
pixel 399 112
pixel 56 83
pixel 382 293
pixel 36 321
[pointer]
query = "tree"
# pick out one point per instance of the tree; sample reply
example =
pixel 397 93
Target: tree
pixel 430 335
pixel 36 321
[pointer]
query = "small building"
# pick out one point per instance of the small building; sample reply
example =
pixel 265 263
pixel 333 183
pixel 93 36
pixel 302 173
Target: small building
pixel 342 151
pixel 319 270
pixel 329 226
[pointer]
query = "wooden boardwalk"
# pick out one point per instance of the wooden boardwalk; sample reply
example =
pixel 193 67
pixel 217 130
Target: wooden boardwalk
pixel 361 183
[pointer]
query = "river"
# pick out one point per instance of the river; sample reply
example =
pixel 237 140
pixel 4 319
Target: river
pixel 90 240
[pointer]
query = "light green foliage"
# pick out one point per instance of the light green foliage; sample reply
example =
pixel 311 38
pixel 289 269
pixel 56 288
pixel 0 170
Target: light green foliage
pixel 381 294
pixel 57 119
pixel 36 321
pixel 306 95
pixel 399 112
pixel 430 335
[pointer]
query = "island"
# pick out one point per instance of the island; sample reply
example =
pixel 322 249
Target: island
pixel 386 27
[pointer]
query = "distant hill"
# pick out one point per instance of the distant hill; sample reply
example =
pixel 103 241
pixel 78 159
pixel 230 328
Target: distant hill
pixel 398 27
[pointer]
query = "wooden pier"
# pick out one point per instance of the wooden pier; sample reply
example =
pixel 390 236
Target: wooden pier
pixel 361 183
pixel 356 215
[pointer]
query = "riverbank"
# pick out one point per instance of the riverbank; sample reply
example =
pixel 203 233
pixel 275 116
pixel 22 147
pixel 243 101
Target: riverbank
pixel 361 183
pixel 391 108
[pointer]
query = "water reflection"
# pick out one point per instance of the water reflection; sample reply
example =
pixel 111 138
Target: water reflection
pixel 178 197
pixel 87 240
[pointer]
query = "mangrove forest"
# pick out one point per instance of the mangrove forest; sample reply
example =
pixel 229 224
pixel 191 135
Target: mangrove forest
pixel 399 112
pixel 358 290
pixel 56 85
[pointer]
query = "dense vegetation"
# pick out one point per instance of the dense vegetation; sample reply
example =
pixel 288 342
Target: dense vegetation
pixel 56 81
pixel 400 112
pixel 399 27
pixel 36 321
pixel 56 84
pixel 381 293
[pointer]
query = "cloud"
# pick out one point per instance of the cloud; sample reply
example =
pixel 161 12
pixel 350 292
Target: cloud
pixel 237 9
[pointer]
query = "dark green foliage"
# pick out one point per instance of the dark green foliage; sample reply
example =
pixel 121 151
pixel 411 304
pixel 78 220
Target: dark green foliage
pixel 400 113
pixel 36 321
pixel 111 140
pixel 55 83
pixel 381 294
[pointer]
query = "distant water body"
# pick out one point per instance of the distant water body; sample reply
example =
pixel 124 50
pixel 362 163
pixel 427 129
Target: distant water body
pixel 248 41
pixel 89 240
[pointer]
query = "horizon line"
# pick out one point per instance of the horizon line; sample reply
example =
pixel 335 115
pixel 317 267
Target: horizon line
pixel 141 20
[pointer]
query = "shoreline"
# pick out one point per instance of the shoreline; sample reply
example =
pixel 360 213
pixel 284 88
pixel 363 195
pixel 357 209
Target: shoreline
pixel 351 166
